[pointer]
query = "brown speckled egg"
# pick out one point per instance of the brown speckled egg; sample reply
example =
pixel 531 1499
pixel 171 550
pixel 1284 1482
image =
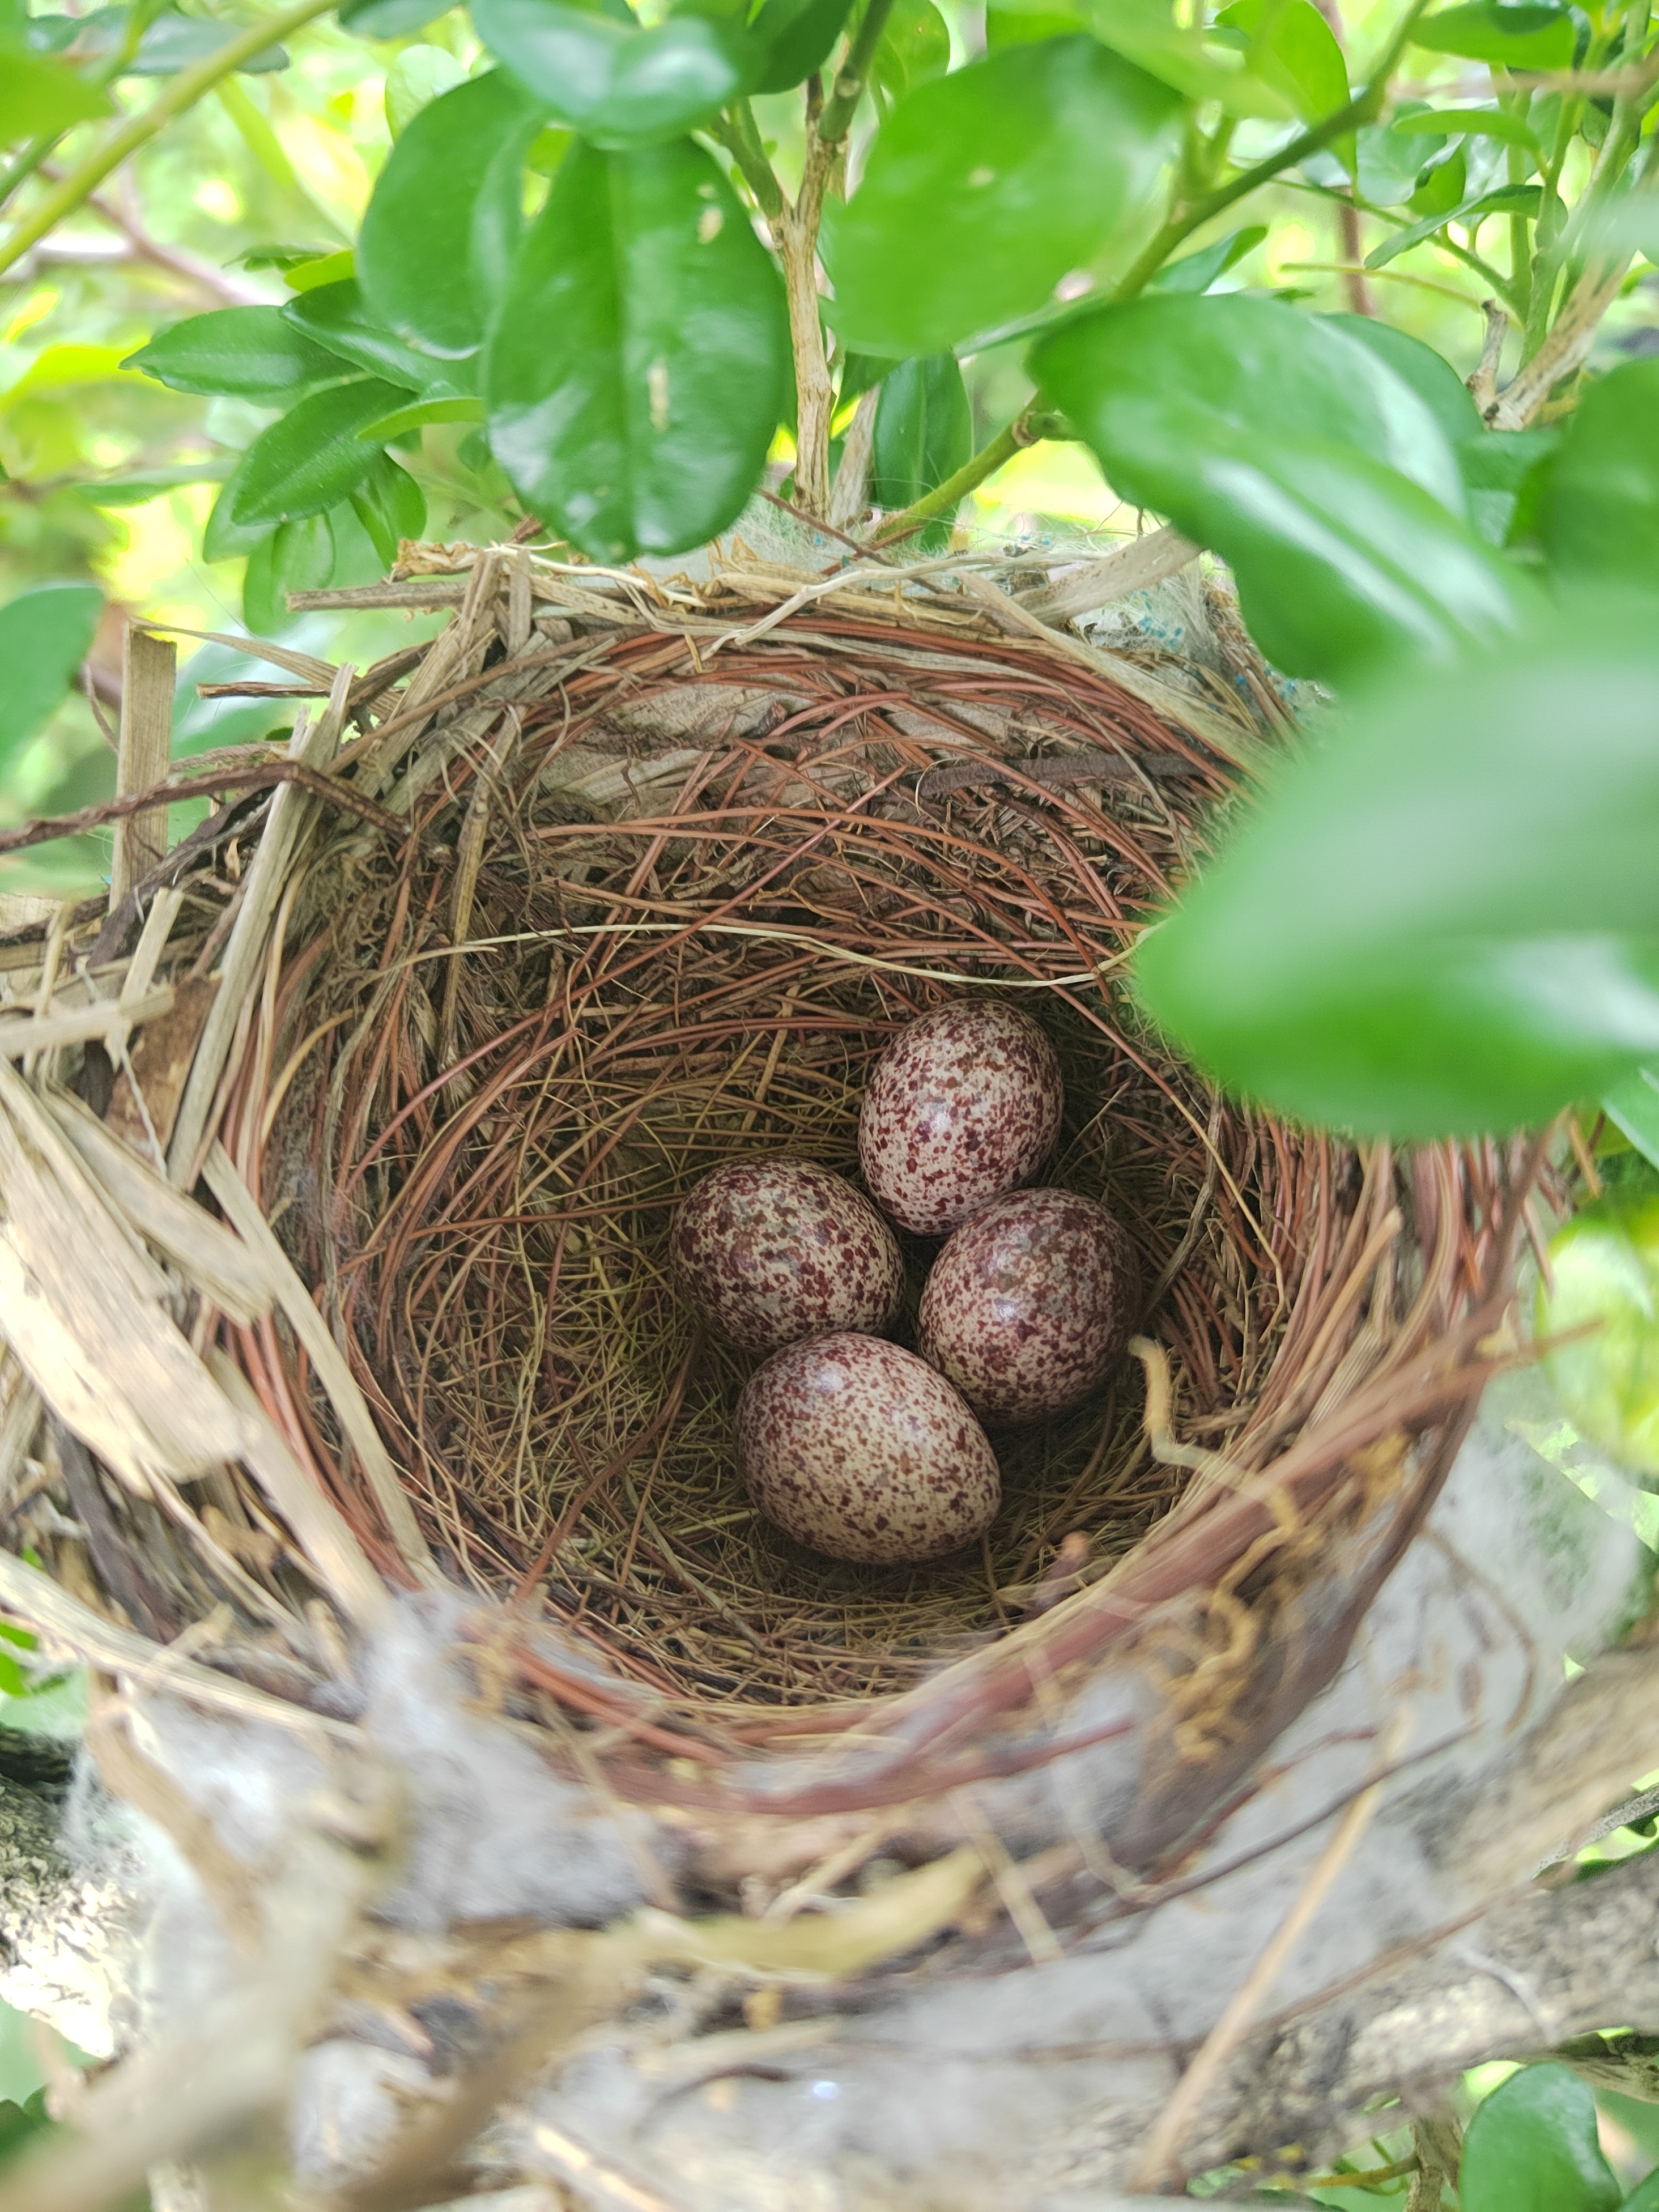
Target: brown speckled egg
pixel 1029 1304
pixel 964 1105
pixel 859 1449
pixel 775 1250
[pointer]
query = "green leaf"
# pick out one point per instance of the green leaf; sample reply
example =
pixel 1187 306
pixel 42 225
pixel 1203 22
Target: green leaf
pixel 1237 364
pixel 1644 2197
pixel 20 2123
pixel 326 269
pixel 616 80
pixel 312 459
pixel 419 76
pixel 175 42
pixel 984 189
pixel 862 372
pixel 1196 272
pixel 297 556
pixel 439 234
pixel 795 37
pixel 45 632
pixel 39 95
pixel 247 353
pixel 391 18
pixel 1473 122
pixel 1523 34
pixel 1183 56
pixel 336 316
pixel 402 420
pixel 1633 1107
pixel 1429 374
pixel 1298 453
pixel 1293 48
pixel 1509 199
pixel 223 539
pixel 1437 922
pixel 641 363
pixel 914 48
pixel 1599 512
pixel 1500 460
pixel 1391 158
pixel 389 505
pixel 13 1682
pixel 924 432
pixel 1021 22
pixel 1532 2146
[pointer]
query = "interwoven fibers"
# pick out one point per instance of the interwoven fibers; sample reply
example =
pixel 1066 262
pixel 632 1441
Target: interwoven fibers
pixel 661 914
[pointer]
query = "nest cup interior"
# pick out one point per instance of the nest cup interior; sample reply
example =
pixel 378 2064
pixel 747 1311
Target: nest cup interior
pixel 699 968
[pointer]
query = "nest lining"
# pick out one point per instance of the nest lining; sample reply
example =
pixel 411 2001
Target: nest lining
pixel 662 913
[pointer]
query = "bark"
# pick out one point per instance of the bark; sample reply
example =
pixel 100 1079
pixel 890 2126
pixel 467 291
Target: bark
pixel 1532 1974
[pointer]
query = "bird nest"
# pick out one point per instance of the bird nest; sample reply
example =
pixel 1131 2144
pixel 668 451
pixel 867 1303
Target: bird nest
pixel 619 881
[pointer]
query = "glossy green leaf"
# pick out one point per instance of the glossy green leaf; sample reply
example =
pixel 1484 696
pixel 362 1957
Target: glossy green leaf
pixel 984 189
pixel 38 95
pixel 1633 1107
pixel 45 632
pixel 924 432
pixel 1509 199
pixel 419 76
pixel 1532 2146
pixel 795 37
pixel 1444 185
pixel 640 365
pixel 862 372
pixel 1429 374
pixel 313 457
pixel 1599 512
pixel 1241 365
pixel 1475 122
pixel 914 48
pixel 391 18
pixel 439 234
pixel 1438 922
pixel 403 420
pixel 1298 453
pixel 297 556
pixel 337 316
pixel 248 353
pixel 390 506
pixel 1291 47
pixel 1196 272
pixel 617 80
pixel 1523 34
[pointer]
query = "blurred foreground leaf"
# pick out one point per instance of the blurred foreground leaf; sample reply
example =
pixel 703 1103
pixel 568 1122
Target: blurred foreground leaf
pixel 1444 917
pixel 1532 2146
pixel 45 635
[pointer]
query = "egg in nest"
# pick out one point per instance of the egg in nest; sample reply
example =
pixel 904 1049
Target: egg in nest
pixel 1031 1303
pixel 964 1105
pixel 859 1449
pixel 774 1250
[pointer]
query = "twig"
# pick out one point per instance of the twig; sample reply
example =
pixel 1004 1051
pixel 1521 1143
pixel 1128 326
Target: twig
pixel 1157 2160
pixel 177 94
pixel 1483 384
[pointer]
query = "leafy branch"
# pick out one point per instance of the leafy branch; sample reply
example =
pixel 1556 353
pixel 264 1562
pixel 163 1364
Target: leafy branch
pixel 180 92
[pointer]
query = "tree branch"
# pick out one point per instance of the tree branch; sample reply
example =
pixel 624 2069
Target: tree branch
pixel 179 93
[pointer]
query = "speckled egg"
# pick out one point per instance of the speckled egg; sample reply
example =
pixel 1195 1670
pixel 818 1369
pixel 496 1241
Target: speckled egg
pixel 964 1105
pixel 1029 1304
pixel 859 1449
pixel 775 1250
